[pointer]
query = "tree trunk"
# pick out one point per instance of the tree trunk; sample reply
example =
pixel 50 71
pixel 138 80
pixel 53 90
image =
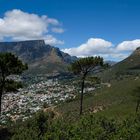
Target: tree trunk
pixel 0 101
pixel 81 99
pixel 137 107
pixel 2 90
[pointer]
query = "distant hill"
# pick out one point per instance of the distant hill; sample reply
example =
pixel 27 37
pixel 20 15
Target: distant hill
pixel 128 66
pixel 40 57
pixel 111 63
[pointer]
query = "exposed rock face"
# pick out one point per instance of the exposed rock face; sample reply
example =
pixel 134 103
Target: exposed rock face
pixel 136 52
pixel 39 56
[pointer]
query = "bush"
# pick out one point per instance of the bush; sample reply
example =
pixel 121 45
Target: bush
pixel 45 127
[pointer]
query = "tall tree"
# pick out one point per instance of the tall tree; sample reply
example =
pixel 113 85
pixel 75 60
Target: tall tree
pixel 82 67
pixel 9 65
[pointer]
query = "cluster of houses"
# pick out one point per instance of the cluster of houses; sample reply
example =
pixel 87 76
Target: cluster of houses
pixel 26 101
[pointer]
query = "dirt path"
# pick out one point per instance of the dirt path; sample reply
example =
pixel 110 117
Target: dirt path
pixel 52 109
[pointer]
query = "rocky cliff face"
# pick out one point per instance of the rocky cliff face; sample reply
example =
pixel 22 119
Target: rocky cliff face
pixel 39 56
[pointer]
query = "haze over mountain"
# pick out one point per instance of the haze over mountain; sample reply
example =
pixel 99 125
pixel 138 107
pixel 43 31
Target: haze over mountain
pixel 40 57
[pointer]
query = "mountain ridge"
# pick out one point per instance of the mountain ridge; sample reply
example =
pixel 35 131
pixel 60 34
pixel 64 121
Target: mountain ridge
pixel 128 66
pixel 39 56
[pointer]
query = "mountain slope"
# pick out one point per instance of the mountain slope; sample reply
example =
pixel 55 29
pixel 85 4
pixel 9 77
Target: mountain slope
pixel 117 101
pixel 130 65
pixel 40 57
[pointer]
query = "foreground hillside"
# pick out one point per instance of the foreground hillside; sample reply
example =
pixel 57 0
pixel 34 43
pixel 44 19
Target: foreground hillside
pixel 109 113
pixel 115 99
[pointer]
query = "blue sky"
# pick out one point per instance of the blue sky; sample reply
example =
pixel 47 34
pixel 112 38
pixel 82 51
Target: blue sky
pixel 113 24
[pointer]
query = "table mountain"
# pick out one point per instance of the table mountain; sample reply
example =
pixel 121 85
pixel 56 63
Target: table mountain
pixel 40 57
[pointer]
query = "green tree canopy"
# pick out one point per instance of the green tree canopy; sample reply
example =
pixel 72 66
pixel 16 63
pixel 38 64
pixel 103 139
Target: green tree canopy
pixel 9 65
pixel 85 65
pixel 82 67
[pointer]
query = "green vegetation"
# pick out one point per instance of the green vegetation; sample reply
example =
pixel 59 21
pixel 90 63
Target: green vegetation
pixel 9 65
pixel 111 112
pixel 83 67
pixel 128 66
pixel 137 98
pixel 108 113
pixel 44 126
pixel 116 99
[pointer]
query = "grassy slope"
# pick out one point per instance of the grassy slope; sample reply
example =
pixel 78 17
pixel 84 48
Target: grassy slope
pixel 118 104
pixel 129 65
pixel 117 101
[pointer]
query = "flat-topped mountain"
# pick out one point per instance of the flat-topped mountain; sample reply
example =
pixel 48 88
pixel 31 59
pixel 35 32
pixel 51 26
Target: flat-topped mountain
pixel 40 57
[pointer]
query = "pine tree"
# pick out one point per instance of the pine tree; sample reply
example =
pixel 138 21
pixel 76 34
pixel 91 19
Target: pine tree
pixel 82 67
